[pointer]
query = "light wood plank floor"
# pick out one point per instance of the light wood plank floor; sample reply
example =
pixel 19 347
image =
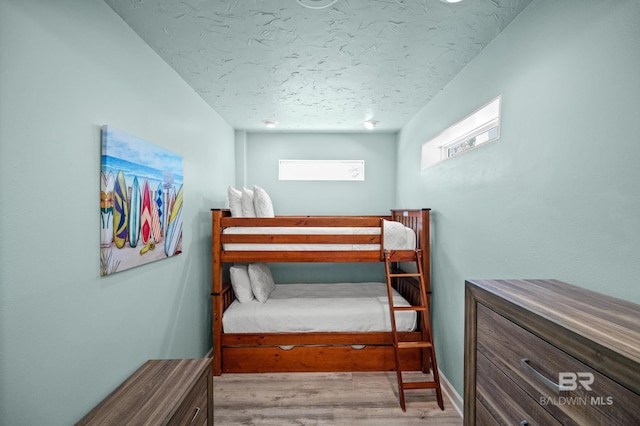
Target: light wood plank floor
pixel 347 399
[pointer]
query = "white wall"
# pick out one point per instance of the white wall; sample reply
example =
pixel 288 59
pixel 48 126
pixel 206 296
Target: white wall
pixel 557 196
pixel 67 336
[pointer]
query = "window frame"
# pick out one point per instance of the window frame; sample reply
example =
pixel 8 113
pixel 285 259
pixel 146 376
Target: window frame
pixel 321 170
pixel 481 121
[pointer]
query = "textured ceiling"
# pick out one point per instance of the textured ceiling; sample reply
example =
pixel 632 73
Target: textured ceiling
pixel 316 69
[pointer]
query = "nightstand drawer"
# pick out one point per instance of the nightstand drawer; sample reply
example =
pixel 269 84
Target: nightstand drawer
pixel 193 410
pixel 505 402
pixel 537 367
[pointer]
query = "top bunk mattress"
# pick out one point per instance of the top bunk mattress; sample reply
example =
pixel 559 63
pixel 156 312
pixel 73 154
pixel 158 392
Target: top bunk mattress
pixel 396 237
pixel 299 308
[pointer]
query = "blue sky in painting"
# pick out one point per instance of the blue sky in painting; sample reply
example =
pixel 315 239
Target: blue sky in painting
pixel 136 157
pixel 133 149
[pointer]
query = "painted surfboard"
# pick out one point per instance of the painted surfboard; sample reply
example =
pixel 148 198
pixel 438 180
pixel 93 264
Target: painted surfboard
pixel 174 229
pixel 172 200
pixel 166 207
pixel 159 200
pixel 145 216
pixel 106 209
pixel 156 230
pixel 120 210
pixel 134 214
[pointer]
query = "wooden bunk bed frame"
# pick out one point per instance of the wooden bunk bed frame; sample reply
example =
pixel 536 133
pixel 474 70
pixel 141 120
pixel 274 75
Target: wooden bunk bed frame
pixel 311 352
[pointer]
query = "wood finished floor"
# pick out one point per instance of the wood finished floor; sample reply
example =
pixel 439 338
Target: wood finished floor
pixel 324 399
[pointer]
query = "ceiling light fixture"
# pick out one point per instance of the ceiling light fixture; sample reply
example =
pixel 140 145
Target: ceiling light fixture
pixel 270 123
pixel 450 1
pixel 316 4
pixel 370 124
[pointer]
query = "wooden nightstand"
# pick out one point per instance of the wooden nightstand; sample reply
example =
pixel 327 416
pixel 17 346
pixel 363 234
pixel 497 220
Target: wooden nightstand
pixel 161 392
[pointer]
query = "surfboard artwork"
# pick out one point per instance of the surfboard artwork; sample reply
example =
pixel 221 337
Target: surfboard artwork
pixel 134 214
pixel 106 209
pixel 174 229
pixel 156 229
pixel 145 220
pixel 168 199
pixel 159 200
pixel 138 203
pixel 120 211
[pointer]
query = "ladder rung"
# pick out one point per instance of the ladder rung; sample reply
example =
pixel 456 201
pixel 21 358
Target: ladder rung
pixel 420 385
pixel 412 345
pixel 401 255
pixel 403 275
pixel 409 308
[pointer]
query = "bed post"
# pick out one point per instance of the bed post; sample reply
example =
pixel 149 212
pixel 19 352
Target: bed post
pixel 216 290
pixel 424 241
pixel 425 245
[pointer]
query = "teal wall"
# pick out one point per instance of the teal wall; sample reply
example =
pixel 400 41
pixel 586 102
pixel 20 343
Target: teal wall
pixel 67 336
pixel 557 196
pixel 375 195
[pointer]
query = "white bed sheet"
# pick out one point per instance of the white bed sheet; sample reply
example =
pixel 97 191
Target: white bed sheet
pixel 396 236
pixel 344 307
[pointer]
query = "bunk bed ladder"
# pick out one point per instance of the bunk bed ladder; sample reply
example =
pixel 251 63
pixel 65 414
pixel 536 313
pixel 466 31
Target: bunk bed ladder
pixel 422 309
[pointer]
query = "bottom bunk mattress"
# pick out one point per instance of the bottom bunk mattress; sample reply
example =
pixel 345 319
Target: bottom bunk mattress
pixel 300 308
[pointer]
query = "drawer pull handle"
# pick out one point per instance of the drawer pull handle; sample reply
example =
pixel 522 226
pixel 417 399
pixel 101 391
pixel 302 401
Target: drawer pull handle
pixel 195 415
pixel 549 383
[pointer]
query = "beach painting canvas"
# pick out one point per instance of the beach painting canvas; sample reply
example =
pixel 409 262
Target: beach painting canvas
pixel 141 197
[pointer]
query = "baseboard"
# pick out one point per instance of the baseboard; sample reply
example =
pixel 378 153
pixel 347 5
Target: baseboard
pixel 450 392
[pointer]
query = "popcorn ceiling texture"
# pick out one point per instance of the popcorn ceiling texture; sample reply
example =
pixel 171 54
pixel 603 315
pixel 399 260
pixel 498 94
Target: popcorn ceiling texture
pixel 318 70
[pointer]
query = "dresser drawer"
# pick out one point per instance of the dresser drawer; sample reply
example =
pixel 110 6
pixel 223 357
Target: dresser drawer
pixel 483 417
pixel 160 392
pixel 193 410
pixel 506 403
pixel 534 366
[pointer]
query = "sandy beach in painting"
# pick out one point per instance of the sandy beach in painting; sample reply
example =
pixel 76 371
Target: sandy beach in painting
pixel 129 257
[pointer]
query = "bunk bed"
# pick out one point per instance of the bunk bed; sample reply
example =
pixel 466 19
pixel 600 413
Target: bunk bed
pixel 256 240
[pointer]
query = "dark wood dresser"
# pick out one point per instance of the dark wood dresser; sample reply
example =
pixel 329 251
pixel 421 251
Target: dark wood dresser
pixel 547 352
pixel 161 392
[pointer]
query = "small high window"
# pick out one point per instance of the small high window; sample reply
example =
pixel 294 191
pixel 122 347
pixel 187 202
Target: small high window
pixel 321 170
pixel 476 129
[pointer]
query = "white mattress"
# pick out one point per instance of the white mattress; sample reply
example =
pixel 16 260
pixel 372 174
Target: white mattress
pixel 396 237
pixel 353 307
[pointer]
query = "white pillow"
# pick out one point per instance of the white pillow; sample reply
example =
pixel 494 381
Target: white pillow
pixel 241 283
pixel 262 202
pixel 235 202
pixel 262 282
pixel 248 210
